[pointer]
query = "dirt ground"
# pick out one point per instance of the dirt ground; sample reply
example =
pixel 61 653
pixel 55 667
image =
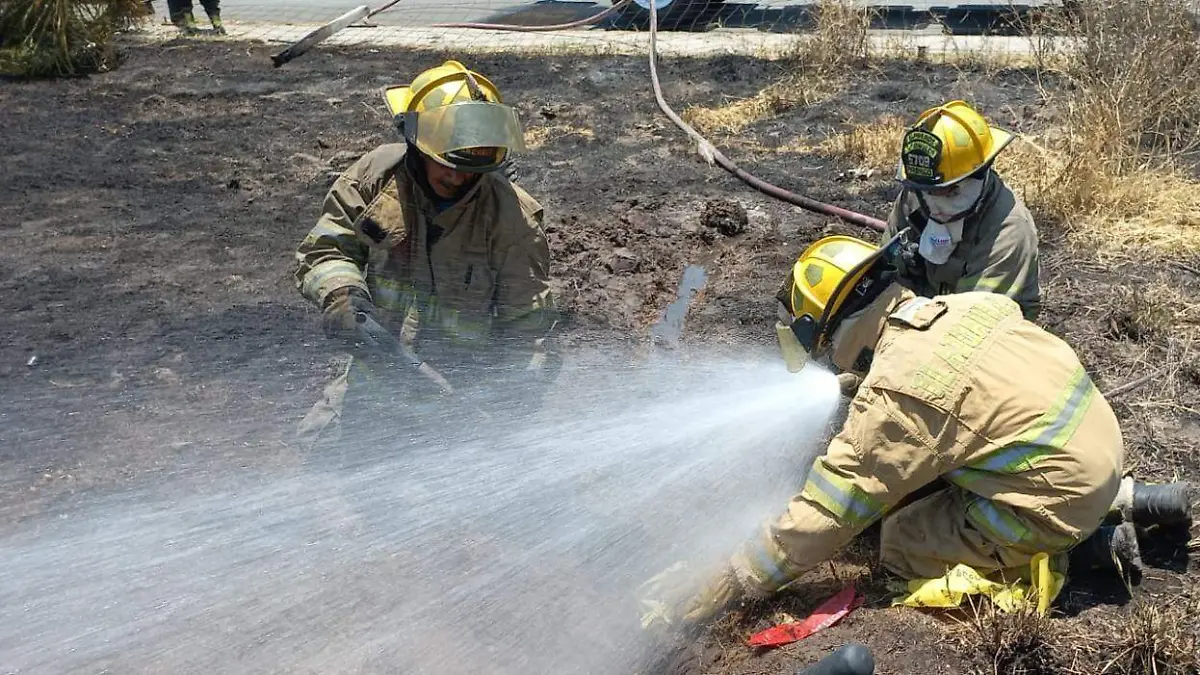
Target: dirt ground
pixel 151 325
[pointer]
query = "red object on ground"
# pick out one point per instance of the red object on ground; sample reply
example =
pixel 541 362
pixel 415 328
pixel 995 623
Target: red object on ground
pixel 829 613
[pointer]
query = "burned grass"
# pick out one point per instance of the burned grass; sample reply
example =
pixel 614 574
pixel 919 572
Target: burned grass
pixel 150 278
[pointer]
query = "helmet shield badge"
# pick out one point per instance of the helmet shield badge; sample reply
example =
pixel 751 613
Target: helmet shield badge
pixel 921 156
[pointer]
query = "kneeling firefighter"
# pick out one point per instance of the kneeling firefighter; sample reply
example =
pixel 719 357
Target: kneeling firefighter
pixel 426 250
pixel 970 231
pixel 976 436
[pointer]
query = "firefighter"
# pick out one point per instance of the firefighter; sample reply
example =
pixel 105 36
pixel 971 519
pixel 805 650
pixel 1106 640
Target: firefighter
pixel 429 242
pixel 181 15
pixel 976 438
pixel 970 232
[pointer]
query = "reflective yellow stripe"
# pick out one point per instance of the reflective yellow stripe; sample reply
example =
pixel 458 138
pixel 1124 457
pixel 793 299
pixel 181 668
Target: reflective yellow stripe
pixel 767 563
pixel 321 277
pixel 845 500
pixel 1058 424
pixel 1001 524
pixel 1048 434
pixel 998 522
pixel 1010 460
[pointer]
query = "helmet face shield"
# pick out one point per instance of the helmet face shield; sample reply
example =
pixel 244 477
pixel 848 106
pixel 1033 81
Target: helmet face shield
pixel 456 135
pixel 795 356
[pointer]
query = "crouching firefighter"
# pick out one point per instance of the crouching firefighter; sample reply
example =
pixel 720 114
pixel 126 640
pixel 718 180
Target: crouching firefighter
pixel 433 266
pixel 976 437
pixel 970 231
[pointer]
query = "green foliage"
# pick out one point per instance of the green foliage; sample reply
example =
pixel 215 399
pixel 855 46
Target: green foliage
pixel 56 38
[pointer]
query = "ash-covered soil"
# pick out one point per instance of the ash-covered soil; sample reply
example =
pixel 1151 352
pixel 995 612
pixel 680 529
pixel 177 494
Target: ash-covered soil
pixel 151 325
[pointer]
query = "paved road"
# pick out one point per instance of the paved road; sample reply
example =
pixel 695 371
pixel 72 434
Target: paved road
pixel 735 13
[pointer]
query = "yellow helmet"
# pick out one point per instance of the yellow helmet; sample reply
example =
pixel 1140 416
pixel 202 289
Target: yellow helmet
pixel 946 145
pixel 457 117
pixel 834 277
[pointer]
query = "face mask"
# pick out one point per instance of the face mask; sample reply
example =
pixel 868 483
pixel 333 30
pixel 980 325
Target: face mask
pixel 953 206
pixel 938 241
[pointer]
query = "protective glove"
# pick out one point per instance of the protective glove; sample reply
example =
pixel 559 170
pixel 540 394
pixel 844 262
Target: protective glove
pixel 510 169
pixel 848 383
pixel 669 598
pixel 340 314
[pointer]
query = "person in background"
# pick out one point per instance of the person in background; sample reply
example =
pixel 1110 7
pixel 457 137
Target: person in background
pixel 183 18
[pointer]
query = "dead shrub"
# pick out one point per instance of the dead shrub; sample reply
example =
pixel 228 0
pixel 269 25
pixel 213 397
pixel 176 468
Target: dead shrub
pixel 55 38
pixel 1141 315
pixel 839 41
pixel 1135 70
pixel 1152 639
pixel 1016 643
pixel 1130 95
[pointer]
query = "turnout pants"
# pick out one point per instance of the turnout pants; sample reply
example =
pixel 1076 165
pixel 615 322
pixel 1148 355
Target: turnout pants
pixel 177 8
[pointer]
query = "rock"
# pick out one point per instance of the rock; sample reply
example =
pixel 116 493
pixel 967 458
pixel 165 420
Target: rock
pixel 726 216
pixel 623 262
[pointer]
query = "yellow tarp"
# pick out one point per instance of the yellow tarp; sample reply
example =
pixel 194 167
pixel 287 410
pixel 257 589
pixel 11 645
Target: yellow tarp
pixel 961 581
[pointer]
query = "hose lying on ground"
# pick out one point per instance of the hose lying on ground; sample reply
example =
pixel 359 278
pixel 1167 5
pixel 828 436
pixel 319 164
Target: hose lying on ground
pixel 586 21
pixel 706 149
pixel 711 154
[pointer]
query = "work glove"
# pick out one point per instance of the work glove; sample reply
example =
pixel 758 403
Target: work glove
pixel 509 167
pixel 670 599
pixel 848 383
pixel 340 313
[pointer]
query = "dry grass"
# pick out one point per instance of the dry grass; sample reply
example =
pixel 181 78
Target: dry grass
pixel 820 64
pixel 54 38
pixel 735 116
pixel 875 145
pixel 1146 639
pixel 536 137
pixel 839 40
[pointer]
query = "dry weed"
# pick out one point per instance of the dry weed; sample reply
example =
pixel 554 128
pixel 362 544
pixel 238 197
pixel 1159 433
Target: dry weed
pixel 536 137
pixel 840 40
pixel 1016 643
pixel 801 89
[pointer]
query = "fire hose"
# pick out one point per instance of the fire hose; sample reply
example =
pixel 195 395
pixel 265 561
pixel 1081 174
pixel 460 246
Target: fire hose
pixel 707 150
pixel 586 21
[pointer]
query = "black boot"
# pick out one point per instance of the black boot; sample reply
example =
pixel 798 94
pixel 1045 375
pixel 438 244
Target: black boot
pixel 1165 504
pixel 1112 548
